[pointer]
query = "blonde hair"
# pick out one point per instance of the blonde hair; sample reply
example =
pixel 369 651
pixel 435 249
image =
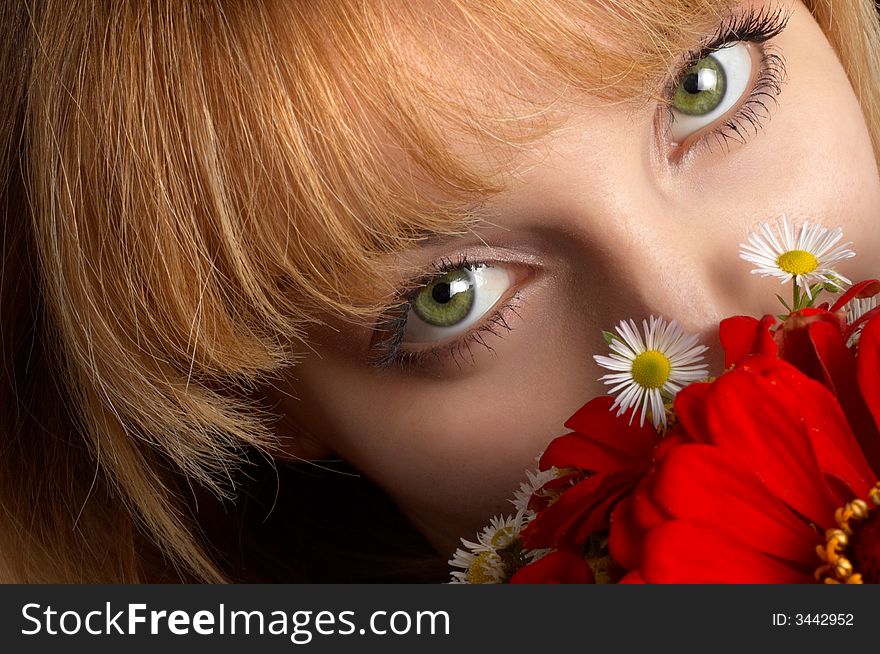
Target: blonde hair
pixel 189 186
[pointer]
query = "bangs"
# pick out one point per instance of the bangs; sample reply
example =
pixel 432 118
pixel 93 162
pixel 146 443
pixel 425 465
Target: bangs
pixel 351 118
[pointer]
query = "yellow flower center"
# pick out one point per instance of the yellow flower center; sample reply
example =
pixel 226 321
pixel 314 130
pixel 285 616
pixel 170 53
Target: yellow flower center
pixel 480 570
pixel 797 262
pixel 651 369
pixel 502 537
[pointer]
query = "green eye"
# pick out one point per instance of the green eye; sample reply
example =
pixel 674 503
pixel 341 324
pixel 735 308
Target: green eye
pixel 709 92
pixel 702 89
pixel 447 300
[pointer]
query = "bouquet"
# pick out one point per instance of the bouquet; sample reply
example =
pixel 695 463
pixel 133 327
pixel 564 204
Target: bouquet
pixel 767 473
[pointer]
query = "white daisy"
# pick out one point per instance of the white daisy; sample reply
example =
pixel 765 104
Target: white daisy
pixel 806 255
pixel 477 567
pixel 644 370
pixel 858 307
pixel 534 480
pixel 855 309
pixel 482 562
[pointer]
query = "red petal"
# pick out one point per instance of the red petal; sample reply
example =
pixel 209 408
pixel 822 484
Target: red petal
pixel 673 439
pixel 831 436
pixel 646 511
pixel 700 483
pixel 626 536
pixel 764 341
pixel 631 520
pixel 754 415
pixel 596 421
pixel 600 515
pixel 682 552
pixel 838 451
pixel 794 341
pixel 559 567
pixel 837 363
pixel 744 335
pixel 575 450
pixel 867 288
pixel 737 335
pixel 549 525
pixel 868 371
pixel 842 433
pixel 690 408
pixel 581 510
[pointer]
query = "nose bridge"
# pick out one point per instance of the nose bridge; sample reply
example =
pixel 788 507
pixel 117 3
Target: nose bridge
pixel 668 256
pixel 647 240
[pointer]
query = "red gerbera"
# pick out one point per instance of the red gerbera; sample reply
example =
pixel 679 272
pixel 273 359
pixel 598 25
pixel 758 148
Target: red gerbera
pixel 815 340
pixel 764 471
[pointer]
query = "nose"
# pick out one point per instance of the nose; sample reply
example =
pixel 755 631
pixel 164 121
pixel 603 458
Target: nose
pixel 657 257
pixel 646 238
pixel 646 250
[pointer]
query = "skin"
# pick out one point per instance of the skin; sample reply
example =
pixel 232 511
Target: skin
pixel 449 441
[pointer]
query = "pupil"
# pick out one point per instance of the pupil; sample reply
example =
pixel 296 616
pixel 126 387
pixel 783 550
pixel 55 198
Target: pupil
pixel 442 293
pixel 692 83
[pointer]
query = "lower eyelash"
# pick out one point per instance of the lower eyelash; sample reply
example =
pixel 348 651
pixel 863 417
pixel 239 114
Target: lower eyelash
pixel 497 324
pixel 749 118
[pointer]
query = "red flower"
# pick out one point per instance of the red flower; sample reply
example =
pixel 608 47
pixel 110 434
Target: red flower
pixel 559 567
pixel 815 341
pixel 763 459
pixel 793 339
pixel 608 457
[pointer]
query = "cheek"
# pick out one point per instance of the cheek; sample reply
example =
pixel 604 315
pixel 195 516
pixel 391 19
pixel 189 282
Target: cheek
pixel 824 159
pixel 451 451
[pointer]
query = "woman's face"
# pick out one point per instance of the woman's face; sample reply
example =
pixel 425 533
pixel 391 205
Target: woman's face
pixel 612 216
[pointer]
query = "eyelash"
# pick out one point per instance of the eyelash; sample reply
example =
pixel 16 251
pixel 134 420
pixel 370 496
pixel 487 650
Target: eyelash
pixel 388 352
pixel 753 26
